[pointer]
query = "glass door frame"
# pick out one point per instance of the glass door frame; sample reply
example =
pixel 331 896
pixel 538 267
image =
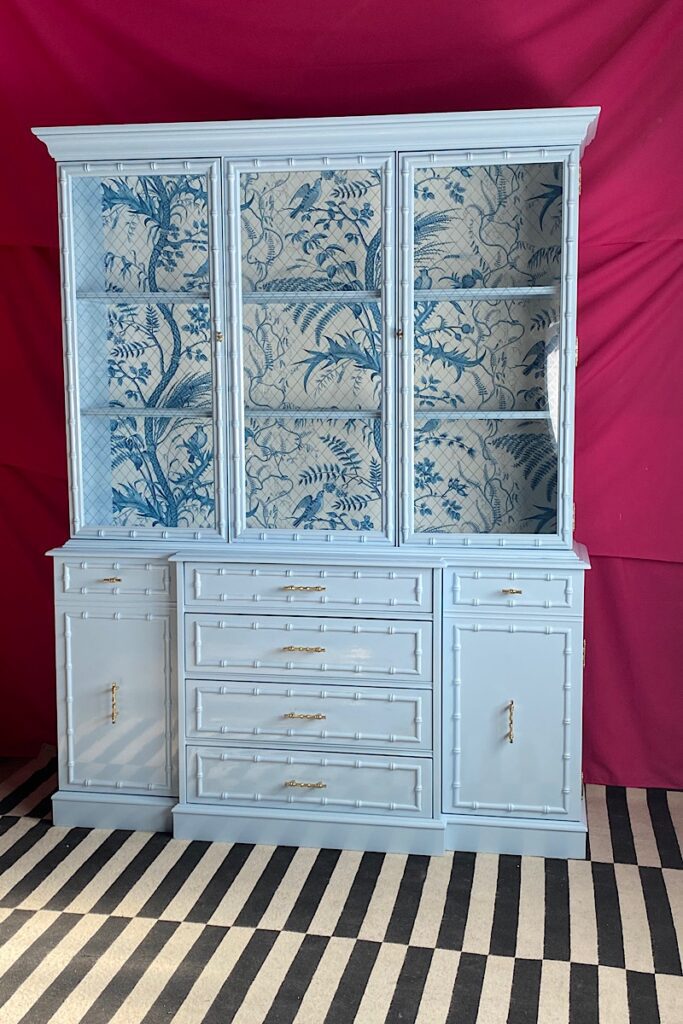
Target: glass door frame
pixel 308 540
pixel 408 162
pixel 68 174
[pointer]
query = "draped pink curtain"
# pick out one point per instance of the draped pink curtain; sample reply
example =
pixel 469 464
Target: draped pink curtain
pixel 88 61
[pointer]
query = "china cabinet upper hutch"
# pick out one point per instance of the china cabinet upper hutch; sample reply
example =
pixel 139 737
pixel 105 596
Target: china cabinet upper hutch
pixel 321 587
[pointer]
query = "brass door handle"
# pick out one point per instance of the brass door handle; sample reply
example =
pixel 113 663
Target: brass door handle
pixel 114 703
pixel 315 589
pixel 294 784
pixel 111 579
pixel 510 735
pixel 308 717
pixel 511 590
pixel 304 650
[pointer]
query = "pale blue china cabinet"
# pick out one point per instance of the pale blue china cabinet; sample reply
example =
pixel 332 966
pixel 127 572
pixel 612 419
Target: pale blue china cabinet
pixel 321 587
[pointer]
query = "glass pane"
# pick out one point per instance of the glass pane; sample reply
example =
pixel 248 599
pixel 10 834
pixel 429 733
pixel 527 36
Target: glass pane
pixel 144 355
pixel 148 471
pixel 488 227
pixel 309 356
pixel 485 476
pixel 141 233
pixel 313 474
pixel 498 354
pixel 313 230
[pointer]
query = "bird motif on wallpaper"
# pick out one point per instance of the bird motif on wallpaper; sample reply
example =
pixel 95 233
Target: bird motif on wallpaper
pixel 310 506
pixel 308 195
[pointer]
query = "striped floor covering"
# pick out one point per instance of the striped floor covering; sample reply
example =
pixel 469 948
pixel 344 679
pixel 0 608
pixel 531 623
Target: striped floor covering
pixel 98 927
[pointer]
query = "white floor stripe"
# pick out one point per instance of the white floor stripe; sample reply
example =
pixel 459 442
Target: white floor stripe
pixel 135 899
pixel 531 924
pixel 333 900
pixel 598 824
pixel 436 995
pixel 477 937
pixel 675 801
pixel 636 929
pixel 15 832
pixel 86 900
pixel 381 984
pixel 37 796
pixel 383 900
pixel 613 996
pixel 283 901
pixel 325 981
pixel 583 928
pixel 430 911
pixel 194 885
pixel 644 841
pixel 43 893
pixel 227 911
pixel 210 981
pixel 265 987
pixel 25 936
pixel 669 998
pixel 23 865
pixel 495 992
pixel 553 1002
pixel 673 881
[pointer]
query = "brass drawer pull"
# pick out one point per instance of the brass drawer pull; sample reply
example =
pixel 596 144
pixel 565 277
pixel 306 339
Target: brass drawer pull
pixel 114 703
pixel 308 717
pixel 316 590
pixel 111 579
pixel 511 722
pixel 304 650
pixel 511 590
pixel 294 784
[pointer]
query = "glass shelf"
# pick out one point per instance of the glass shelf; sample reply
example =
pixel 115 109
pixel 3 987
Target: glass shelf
pixel 141 298
pixel 483 414
pixel 314 414
pixel 115 411
pixel 453 294
pixel 319 298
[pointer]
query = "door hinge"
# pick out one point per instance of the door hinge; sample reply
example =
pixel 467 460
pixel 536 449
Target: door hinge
pixel 579 179
pixel 573 516
pixel 576 352
pixel 584 652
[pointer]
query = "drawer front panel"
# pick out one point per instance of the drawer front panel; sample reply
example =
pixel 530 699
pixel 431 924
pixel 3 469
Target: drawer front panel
pixel 306 714
pixel 499 588
pixel 308 588
pixel 113 578
pixel 308 648
pixel 329 783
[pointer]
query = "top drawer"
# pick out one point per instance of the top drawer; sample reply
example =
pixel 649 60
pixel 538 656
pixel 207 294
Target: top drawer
pixel 502 588
pixel 307 588
pixel 125 577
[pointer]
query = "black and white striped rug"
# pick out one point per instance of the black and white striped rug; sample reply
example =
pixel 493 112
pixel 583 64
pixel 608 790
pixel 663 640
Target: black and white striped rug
pixel 114 927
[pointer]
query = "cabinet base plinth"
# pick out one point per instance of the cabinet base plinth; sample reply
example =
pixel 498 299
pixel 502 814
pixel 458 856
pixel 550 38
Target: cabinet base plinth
pixel 531 837
pixel 103 810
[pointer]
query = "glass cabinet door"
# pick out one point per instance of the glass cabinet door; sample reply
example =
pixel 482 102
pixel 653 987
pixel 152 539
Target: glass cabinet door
pixel 310 306
pixel 144 314
pixel 481 294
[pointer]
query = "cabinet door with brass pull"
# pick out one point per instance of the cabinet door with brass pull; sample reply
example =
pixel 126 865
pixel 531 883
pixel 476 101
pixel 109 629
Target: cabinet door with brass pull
pixel 512 713
pixel 115 703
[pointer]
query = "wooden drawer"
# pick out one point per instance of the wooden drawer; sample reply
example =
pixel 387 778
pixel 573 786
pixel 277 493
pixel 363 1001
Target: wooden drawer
pixel 239 645
pixel 371 784
pixel 308 588
pixel 306 714
pixel 501 588
pixel 122 577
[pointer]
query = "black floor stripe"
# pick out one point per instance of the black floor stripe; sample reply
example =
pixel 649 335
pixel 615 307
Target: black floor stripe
pixel 24 966
pixel 44 1009
pixel 42 809
pixel 584 1006
pixel 266 887
pixel 290 995
pixel 665 833
pixel 408 899
pixel 312 891
pixel 410 986
pixel 12 924
pixel 457 903
pixel 126 978
pixel 7 823
pixel 621 834
pixel 556 939
pixel 360 894
pixel 659 916
pixel 22 845
pixel 119 889
pixel 608 916
pixel 466 996
pixel 28 786
pixel 169 886
pixel 216 888
pixel 239 981
pixel 642 998
pixel 45 866
pixel 526 991
pixel 178 987
pixel 81 878
pixel 352 983
pixel 506 911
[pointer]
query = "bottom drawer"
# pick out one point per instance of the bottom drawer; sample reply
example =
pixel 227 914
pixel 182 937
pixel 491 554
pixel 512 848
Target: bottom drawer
pixel 371 784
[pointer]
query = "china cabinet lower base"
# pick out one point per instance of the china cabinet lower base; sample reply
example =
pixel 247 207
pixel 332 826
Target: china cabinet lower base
pixel 108 810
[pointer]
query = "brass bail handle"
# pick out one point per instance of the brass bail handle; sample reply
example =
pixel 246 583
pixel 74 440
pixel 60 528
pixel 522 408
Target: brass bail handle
pixel 114 703
pixel 510 735
pixel 295 784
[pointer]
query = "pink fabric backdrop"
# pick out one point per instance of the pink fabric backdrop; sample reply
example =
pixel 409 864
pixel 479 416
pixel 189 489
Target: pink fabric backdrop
pixel 85 61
